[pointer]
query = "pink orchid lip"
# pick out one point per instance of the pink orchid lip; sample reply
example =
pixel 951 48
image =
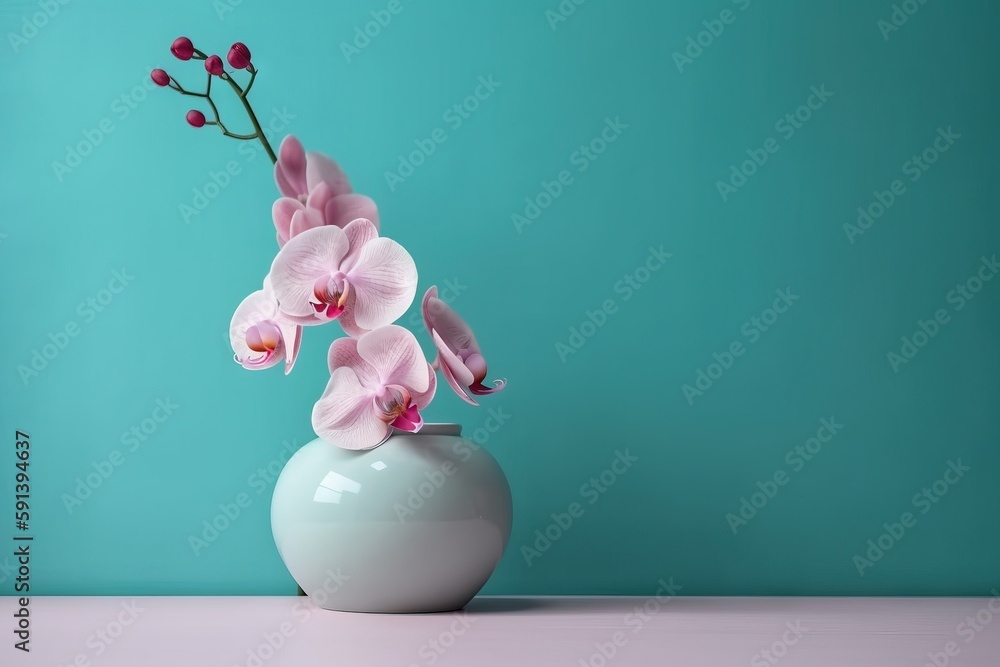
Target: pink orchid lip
pixel 482 390
pixel 477 366
pixel 331 294
pixel 409 420
pixel 264 337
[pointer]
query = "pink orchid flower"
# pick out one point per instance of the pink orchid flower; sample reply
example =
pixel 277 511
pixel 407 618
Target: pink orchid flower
pixel 316 193
pixel 459 357
pixel 378 382
pixel 260 335
pixel 349 274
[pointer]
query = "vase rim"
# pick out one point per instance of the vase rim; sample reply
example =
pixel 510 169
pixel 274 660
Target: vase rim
pixel 441 428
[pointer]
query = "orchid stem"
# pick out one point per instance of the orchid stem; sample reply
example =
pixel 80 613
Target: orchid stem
pixel 253 117
pixel 253 75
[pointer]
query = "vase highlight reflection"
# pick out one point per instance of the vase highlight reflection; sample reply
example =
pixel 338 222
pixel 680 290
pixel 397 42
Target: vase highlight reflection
pixel 417 524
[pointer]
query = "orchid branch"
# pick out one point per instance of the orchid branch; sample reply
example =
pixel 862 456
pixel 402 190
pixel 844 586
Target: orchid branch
pixel 239 57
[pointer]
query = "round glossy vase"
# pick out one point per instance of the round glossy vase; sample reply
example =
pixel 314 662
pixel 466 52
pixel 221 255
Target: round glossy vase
pixel 417 524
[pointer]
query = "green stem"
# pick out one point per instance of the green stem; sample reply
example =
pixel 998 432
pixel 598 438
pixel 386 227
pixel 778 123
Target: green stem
pixel 253 75
pixel 253 117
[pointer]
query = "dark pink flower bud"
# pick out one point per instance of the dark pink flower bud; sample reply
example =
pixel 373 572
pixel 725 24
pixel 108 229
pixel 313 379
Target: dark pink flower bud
pixel 239 56
pixel 214 65
pixel 195 118
pixel 182 48
pixel 159 77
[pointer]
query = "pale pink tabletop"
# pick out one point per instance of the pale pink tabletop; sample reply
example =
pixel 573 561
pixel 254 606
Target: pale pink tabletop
pixel 493 631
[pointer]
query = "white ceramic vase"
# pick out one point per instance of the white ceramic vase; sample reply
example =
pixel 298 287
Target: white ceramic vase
pixel 417 524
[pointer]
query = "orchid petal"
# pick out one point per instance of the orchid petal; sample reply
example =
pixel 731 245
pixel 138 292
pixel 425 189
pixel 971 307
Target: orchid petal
pixel 282 212
pixel 291 333
pixel 344 354
pixel 395 355
pixel 451 361
pixel 305 219
pixel 344 416
pixel 313 253
pixel 385 279
pixel 423 398
pixel 358 232
pixel 457 387
pixel 311 320
pixel 321 169
pixel 456 334
pixel 319 196
pixel 346 319
pixel 342 209
pixel 290 169
pixel 432 292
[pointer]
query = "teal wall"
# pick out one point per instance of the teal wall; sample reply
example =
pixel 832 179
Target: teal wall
pixel 776 308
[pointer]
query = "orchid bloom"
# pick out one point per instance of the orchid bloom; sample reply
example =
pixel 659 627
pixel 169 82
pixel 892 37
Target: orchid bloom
pixel 349 274
pixel 378 382
pixel 315 192
pixel 459 357
pixel 260 335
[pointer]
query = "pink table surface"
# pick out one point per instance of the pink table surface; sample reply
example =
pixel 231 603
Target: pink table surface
pixel 493 631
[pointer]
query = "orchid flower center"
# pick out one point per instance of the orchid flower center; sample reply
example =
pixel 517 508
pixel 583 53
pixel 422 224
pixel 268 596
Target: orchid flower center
pixel 264 337
pixel 391 401
pixel 330 293
pixel 395 406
